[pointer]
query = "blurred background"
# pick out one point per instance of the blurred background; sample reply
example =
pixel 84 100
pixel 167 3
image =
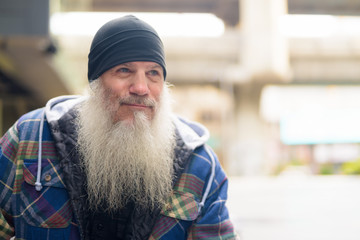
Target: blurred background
pixel 276 82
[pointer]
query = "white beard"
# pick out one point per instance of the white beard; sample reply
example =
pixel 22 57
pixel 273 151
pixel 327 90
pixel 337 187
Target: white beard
pixel 126 161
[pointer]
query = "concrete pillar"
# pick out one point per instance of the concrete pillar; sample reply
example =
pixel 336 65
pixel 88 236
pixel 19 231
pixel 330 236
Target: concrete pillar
pixel 265 49
pixel 264 57
pixel 248 150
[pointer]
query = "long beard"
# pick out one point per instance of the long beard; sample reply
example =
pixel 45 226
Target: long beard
pixel 126 161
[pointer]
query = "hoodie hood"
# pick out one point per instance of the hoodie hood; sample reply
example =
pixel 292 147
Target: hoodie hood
pixel 57 107
pixel 192 133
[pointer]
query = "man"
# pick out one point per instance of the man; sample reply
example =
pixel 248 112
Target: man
pixel 117 164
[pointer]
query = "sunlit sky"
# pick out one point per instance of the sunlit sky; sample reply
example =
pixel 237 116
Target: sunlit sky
pixel 308 26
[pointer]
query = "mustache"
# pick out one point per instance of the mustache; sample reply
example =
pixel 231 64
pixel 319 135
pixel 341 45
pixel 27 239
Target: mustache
pixel 138 100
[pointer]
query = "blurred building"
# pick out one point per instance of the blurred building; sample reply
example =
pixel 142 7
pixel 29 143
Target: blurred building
pixel 260 81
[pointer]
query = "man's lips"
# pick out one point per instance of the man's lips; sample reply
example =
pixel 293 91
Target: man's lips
pixel 135 105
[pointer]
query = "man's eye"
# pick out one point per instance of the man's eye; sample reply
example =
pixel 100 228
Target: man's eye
pixel 123 70
pixel 154 72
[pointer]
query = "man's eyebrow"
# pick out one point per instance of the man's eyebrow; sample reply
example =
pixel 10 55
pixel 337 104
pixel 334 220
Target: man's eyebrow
pixel 155 66
pixel 120 65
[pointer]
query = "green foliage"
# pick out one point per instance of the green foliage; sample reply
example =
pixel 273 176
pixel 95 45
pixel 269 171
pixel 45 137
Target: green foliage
pixel 351 168
pixel 326 169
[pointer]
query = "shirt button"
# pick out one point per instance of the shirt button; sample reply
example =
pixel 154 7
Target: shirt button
pixel 48 178
pixel 100 227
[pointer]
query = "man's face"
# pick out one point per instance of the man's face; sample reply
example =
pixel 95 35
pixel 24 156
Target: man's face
pixel 131 87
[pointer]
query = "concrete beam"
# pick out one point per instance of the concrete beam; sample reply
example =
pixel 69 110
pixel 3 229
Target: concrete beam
pixel 31 65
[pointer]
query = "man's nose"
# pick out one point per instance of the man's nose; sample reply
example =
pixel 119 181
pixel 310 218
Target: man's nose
pixel 139 84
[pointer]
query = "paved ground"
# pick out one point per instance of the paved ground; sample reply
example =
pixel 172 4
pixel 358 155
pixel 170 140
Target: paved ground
pixel 296 207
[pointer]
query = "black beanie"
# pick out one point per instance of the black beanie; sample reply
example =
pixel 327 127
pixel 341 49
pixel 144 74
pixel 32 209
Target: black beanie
pixel 125 39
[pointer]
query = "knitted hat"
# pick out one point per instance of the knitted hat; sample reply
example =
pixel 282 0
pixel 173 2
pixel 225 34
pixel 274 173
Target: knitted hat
pixel 125 39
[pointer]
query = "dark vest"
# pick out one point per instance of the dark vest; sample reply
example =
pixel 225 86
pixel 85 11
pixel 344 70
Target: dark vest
pixel 110 225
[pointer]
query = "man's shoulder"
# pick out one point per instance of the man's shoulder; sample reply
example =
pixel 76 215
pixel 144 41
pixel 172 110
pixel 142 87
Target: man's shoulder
pixel 203 159
pixel 28 125
pixel 32 116
pixel 204 163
